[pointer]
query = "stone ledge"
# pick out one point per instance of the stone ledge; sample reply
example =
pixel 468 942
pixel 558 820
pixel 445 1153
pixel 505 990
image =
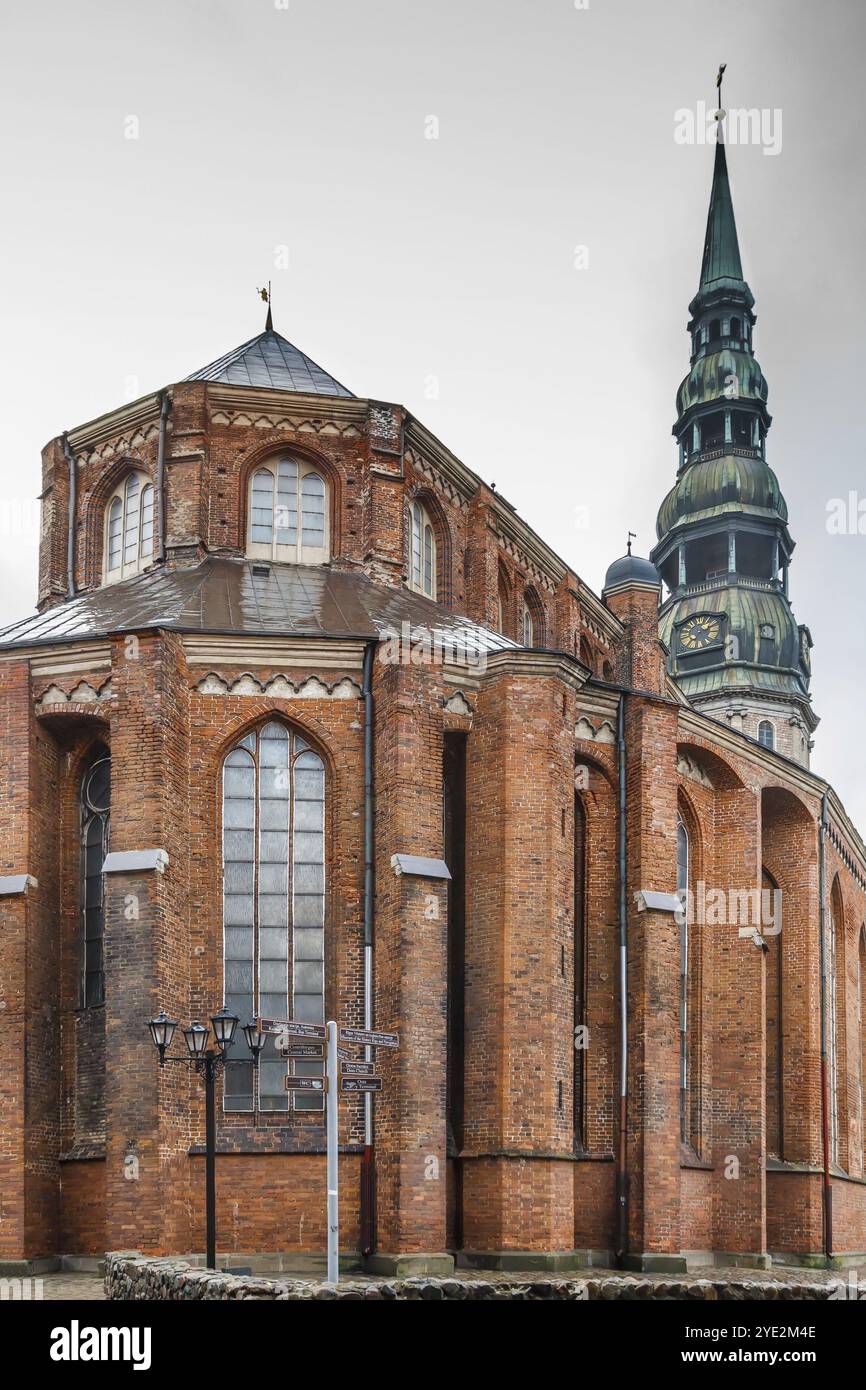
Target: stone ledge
pixel 12 884
pixel 131 1276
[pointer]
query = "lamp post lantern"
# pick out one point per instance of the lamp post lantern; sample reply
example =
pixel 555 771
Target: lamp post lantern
pixel 208 1063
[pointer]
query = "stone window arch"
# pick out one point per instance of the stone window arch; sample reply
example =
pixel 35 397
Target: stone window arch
pixel 128 542
pixel 94 827
pixel 274 860
pixel 288 510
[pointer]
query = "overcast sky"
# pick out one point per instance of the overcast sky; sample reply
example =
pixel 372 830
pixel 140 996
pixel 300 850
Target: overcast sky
pixel 443 272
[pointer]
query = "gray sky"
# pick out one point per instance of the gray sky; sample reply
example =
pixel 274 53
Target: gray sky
pixel 420 266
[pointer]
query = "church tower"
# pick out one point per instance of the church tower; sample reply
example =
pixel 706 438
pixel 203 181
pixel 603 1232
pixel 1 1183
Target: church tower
pixel 724 547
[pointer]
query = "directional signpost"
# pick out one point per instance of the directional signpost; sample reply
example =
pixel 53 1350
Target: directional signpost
pixel 343 1076
pixel 357 1068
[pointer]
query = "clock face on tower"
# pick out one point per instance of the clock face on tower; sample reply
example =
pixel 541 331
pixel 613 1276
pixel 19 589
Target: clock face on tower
pixel 701 631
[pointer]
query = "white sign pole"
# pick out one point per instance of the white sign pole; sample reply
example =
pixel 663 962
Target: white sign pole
pixel 332 1072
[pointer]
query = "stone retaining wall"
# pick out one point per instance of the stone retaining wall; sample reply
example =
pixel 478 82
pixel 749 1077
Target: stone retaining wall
pixel 132 1276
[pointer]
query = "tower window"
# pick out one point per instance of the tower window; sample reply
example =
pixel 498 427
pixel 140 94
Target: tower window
pixel 766 734
pixel 422 552
pixel 288 514
pixel 715 330
pixel 95 812
pixel 128 529
pixel 736 328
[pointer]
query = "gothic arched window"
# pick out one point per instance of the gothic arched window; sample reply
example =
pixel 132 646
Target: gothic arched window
pixel 422 552
pixel 95 811
pixel 690 995
pixel 128 529
pixel 766 734
pixel 273 903
pixel 288 514
pixel 834 987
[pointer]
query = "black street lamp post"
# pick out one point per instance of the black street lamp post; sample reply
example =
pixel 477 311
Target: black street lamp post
pixel 209 1064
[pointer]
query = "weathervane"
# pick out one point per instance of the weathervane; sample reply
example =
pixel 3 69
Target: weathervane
pixel 632 536
pixel 266 296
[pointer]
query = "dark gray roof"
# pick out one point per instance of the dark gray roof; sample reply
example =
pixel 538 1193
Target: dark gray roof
pixel 223 595
pixel 631 569
pixel 271 360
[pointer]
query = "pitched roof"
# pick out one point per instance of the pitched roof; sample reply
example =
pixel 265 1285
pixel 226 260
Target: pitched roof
pixel 245 597
pixel 271 360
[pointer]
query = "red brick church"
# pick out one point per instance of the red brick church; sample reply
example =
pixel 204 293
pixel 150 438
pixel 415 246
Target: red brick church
pixel 311 723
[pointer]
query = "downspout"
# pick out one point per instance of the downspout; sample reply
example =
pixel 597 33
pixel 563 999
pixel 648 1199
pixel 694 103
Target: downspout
pixel 827 1191
pixel 164 408
pixel 73 504
pixel 622 1149
pixel 368 1168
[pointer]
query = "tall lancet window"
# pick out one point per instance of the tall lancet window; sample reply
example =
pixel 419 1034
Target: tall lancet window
pixel 128 529
pixel 834 986
pixel 288 514
pixel 273 903
pixel 422 552
pixel 682 890
pixel 95 811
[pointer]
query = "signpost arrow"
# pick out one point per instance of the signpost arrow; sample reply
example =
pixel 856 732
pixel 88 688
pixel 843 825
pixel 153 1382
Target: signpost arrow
pixel 360 1083
pixel 357 1068
pixel 368 1037
pixel 291 1026
pixel 305 1083
pixel 286 1049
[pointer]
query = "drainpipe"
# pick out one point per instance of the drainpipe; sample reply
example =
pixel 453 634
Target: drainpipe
pixel 622 1153
pixel 827 1191
pixel 164 408
pixel 368 1168
pixel 73 503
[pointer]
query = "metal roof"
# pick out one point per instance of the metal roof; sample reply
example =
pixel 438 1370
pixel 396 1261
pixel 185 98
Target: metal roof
pixel 247 597
pixel 271 360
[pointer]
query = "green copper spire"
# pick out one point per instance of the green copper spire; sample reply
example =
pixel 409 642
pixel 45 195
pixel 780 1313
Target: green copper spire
pixel 721 248
pixel 721 267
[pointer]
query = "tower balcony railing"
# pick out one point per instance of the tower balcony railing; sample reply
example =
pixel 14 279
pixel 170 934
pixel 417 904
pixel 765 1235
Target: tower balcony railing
pixel 722 581
pixel 719 451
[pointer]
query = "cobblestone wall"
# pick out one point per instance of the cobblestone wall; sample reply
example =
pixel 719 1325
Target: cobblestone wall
pixel 129 1276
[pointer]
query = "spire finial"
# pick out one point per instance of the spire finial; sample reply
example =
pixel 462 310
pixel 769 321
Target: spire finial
pixel 266 296
pixel 720 115
pixel 632 536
